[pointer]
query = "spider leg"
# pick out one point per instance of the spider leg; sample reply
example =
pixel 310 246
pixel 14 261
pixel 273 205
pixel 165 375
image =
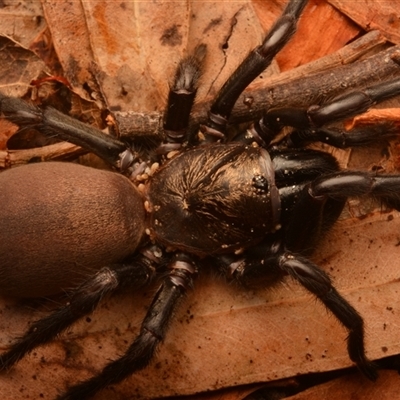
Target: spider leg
pixel 346 184
pixel 181 97
pixel 56 124
pixel 152 331
pixel 311 119
pixel 341 138
pixel 336 186
pixel 318 282
pixel 253 65
pixel 83 301
pixel 276 261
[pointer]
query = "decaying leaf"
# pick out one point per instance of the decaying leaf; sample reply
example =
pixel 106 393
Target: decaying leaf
pixel 381 15
pixel 351 387
pixel 18 67
pixel 22 22
pixel 314 25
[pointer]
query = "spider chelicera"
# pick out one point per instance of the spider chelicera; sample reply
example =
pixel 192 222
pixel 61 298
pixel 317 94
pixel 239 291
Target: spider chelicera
pixel 252 209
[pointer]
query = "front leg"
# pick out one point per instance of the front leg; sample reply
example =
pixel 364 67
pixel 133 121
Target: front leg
pixel 252 66
pixel 53 123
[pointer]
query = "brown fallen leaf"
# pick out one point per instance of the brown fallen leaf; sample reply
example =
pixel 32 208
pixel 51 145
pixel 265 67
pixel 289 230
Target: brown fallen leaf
pixel 22 21
pixel 351 387
pixel 124 48
pixel 381 15
pixel 18 67
pixel 374 116
pixel 314 27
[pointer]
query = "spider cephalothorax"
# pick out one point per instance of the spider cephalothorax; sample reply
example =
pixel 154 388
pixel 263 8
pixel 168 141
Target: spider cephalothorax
pixel 252 210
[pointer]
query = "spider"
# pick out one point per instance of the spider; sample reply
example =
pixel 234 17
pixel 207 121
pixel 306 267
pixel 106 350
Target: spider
pixel 254 206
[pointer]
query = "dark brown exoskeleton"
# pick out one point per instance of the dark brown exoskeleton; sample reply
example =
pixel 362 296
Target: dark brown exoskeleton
pixel 252 210
pixel 207 200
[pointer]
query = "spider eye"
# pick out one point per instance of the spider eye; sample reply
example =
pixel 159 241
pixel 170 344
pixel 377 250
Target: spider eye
pixel 260 183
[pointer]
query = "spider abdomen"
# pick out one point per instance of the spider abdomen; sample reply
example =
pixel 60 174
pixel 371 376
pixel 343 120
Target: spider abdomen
pixel 212 200
pixel 61 222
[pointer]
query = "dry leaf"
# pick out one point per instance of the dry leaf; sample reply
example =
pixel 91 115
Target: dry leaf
pixel 374 116
pixel 124 48
pixel 350 387
pixel 22 21
pixel 381 15
pixel 312 26
pixel 18 67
